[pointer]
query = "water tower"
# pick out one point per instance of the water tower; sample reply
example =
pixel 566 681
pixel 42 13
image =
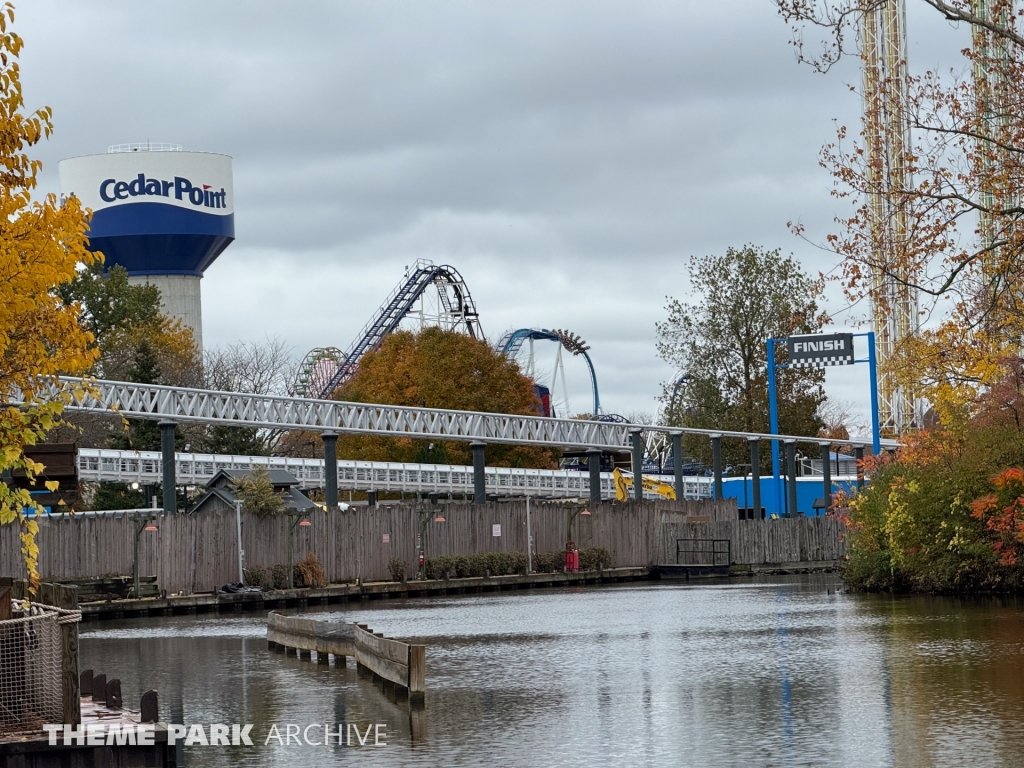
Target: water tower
pixel 161 213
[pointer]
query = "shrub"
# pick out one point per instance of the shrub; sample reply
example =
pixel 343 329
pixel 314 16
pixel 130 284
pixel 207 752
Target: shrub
pixel 479 564
pixel 279 576
pixel 931 519
pixel 309 572
pixel 549 562
pixel 398 568
pixel 593 557
pixel 258 576
pixel 554 562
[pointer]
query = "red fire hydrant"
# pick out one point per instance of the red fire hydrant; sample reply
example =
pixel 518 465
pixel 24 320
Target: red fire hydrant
pixel 572 558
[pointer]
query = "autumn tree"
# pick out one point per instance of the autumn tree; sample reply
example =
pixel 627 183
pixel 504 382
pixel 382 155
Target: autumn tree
pixel 718 344
pixel 962 249
pixel 136 342
pixel 42 243
pixel 122 318
pixel 440 369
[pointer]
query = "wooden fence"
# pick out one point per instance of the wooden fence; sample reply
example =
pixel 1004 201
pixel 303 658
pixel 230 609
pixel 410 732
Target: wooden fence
pixel 761 542
pixel 198 553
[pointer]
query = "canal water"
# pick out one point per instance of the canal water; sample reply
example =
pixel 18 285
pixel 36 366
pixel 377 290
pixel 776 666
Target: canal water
pixel 783 671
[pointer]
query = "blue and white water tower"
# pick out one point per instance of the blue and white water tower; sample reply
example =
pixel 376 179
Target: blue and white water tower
pixel 161 213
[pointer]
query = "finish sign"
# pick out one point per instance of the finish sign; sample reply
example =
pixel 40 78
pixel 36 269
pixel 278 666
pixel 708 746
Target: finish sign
pixel 820 350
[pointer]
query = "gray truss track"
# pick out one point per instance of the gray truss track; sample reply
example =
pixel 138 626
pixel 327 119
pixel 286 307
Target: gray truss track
pixel 149 401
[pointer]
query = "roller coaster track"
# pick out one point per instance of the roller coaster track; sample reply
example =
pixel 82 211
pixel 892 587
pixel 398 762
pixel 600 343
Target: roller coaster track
pixel 512 342
pixel 458 308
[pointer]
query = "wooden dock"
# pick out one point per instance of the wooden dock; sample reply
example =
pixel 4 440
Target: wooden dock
pixel 222 602
pixel 399 663
pixel 100 712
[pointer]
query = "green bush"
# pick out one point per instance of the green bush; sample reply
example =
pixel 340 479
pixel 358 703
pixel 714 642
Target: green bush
pixel 279 575
pixel 549 562
pixel 913 528
pixel 258 576
pixel 593 557
pixel 465 566
pixel 398 568
pixel 509 563
pixel 590 559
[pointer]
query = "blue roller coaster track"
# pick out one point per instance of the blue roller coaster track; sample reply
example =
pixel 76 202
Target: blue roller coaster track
pixel 457 306
pixel 512 342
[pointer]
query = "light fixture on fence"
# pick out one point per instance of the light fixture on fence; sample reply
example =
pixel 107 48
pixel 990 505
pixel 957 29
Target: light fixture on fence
pixel 135 486
pixel 304 523
pixel 585 512
pixel 439 519
pixel 150 527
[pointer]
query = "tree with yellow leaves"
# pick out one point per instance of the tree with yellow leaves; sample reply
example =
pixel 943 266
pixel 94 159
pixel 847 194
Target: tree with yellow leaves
pixel 41 245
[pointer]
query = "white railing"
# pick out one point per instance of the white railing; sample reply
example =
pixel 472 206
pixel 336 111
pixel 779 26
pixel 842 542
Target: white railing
pixel 145 467
pixel 147 146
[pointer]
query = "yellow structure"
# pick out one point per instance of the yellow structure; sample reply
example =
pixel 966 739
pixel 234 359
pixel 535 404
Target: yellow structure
pixel 624 486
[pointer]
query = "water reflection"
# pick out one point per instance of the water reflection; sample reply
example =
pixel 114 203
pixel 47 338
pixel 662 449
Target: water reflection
pixel 780 672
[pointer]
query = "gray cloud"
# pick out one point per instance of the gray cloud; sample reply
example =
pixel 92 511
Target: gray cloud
pixel 565 157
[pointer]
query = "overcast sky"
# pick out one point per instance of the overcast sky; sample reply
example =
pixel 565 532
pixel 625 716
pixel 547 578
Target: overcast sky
pixel 566 157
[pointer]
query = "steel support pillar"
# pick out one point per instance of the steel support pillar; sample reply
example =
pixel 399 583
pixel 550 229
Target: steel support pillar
pixel 716 464
pixel 858 454
pixel 167 430
pixel 677 464
pixel 594 467
pixel 826 474
pixel 637 439
pixel 330 468
pixel 371 498
pixel 479 470
pixel 755 475
pixel 791 475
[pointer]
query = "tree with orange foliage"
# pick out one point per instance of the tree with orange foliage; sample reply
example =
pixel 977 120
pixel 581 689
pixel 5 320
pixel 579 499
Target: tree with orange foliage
pixel 440 369
pixel 42 243
pixel 1003 514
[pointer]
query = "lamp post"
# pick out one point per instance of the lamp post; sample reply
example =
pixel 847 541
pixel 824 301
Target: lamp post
pixel 529 538
pixel 422 555
pixel 296 518
pixel 142 523
pixel 241 552
pixel 571 514
pixel 570 545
